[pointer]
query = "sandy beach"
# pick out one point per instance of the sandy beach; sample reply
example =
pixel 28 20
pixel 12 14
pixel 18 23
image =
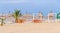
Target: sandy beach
pixel 31 28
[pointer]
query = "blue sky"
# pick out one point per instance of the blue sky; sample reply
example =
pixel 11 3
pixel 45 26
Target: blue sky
pixel 31 6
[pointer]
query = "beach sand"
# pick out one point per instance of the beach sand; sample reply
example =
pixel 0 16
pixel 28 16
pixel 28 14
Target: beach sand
pixel 31 28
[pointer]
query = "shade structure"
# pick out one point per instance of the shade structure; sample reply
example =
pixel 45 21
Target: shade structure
pixel 40 14
pixel 58 15
pixel 38 18
pixel 51 15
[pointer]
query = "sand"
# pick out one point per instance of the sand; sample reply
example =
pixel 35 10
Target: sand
pixel 31 28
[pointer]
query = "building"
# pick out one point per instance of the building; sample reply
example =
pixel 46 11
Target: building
pixel 51 17
pixel 38 18
pixel 8 18
pixel 28 17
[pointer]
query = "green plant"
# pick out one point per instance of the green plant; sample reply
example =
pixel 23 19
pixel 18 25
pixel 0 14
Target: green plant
pixel 16 15
pixel 2 21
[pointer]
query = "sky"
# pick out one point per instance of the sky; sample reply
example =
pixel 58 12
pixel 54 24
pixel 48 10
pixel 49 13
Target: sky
pixel 30 6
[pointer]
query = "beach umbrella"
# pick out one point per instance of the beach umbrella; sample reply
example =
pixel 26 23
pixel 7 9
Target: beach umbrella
pixel 58 16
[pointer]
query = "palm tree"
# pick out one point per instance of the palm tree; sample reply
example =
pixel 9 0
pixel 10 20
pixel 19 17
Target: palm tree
pixel 16 15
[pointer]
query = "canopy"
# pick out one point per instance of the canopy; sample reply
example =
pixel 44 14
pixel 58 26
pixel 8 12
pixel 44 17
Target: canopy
pixel 58 15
